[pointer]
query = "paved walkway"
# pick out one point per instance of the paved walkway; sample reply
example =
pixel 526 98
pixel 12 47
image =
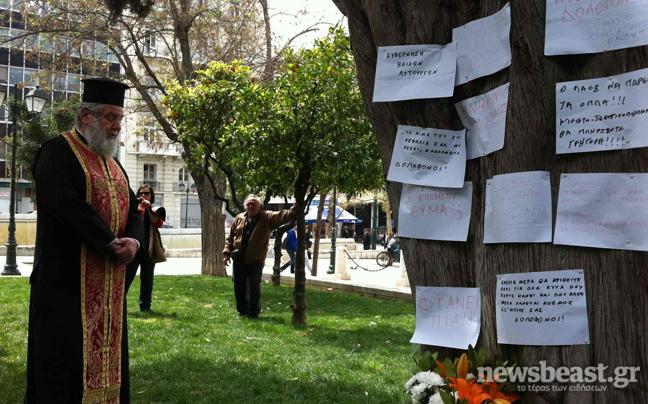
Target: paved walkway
pixel 387 282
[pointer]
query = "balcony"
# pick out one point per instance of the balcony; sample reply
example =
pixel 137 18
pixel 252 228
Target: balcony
pixel 181 186
pixel 158 149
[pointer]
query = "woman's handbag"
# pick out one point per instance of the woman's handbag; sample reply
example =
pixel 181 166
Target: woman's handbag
pixel 155 250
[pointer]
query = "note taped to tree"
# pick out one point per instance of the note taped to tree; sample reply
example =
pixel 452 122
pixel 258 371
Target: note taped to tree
pixel 411 72
pixel 483 46
pixel 484 117
pixel 435 213
pixel 542 308
pixel 427 156
pixel 518 208
pixel 607 210
pixel 591 26
pixel 448 317
pixel 602 114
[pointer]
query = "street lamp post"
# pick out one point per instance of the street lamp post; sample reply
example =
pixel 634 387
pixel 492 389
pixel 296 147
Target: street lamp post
pixel 186 187
pixel 35 99
pixel 331 269
pixel 186 206
pixel 374 222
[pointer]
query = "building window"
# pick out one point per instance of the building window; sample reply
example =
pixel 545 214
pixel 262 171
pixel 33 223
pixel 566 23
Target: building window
pixel 149 43
pixel 74 82
pixel 31 42
pixel 183 174
pixel 31 60
pixel 59 82
pixel 87 49
pixel 46 44
pixel 31 77
pixel 15 75
pixel 101 51
pixel 149 172
pixel 17 57
pixel 17 20
pixel 149 134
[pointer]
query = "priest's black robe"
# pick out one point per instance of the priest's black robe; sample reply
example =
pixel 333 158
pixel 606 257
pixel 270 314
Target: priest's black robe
pixel 65 223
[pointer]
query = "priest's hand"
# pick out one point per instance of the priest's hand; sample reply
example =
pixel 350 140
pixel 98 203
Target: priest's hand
pixel 124 249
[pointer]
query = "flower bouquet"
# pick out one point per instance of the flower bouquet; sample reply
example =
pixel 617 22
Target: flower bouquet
pixel 453 381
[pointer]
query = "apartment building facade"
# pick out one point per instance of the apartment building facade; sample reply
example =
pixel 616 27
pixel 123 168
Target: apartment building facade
pixel 58 64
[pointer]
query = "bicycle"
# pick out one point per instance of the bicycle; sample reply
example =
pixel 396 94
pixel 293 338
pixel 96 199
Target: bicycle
pixel 357 265
pixel 387 257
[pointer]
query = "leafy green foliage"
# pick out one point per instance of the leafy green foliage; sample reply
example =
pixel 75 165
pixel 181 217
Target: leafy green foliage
pixel 308 122
pixel 218 113
pixel 37 130
pixel 423 360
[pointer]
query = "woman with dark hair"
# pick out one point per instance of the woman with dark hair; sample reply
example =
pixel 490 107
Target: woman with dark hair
pixel 152 220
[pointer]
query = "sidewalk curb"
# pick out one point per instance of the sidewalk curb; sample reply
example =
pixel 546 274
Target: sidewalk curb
pixel 345 287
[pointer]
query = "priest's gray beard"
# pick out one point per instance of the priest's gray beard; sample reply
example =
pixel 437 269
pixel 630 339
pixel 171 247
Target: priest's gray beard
pixel 100 142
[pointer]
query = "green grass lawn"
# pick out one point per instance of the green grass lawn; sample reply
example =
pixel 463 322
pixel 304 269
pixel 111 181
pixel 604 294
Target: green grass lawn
pixel 194 348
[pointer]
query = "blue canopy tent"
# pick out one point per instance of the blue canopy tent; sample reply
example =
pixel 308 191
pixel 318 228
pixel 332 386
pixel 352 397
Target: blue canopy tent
pixel 341 215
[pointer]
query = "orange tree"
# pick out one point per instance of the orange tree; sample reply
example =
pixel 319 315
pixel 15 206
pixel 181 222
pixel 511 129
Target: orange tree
pixel 304 131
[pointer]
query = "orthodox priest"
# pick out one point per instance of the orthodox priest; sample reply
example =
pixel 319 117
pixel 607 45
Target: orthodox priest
pixel 87 231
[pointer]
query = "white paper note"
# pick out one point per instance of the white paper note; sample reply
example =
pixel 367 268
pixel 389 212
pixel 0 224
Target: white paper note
pixel 484 117
pixel 542 308
pixel 603 210
pixel 590 26
pixel 448 317
pixel 435 213
pixel 428 156
pixel 602 114
pixel 410 72
pixel 483 46
pixel 518 208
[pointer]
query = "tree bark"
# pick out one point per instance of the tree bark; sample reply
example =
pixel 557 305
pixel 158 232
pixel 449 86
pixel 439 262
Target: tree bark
pixel 212 224
pixel 388 212
pixel 330 219
pixel 301 189
pixel 276 267
pixel 616 281
pixel 316 232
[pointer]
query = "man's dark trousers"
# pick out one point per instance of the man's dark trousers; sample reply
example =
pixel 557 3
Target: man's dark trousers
pixel 247 288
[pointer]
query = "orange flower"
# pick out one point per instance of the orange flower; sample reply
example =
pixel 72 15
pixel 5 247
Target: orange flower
pixel 507 398
pixel 476 393
pixel 462 366
pixel 441 368
pixel 469 390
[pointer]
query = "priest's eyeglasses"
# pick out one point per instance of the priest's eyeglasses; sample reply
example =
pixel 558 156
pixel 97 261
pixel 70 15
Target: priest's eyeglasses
pixel 112 117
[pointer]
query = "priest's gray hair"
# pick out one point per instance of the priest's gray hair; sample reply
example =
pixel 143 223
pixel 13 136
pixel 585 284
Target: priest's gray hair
pixel 253 197
pixel 94 107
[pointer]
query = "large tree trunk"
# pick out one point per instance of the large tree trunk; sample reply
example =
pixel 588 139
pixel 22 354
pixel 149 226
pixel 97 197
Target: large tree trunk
pixel 616 281
pixel 388 213
pixel 213 225
pixel 276 267
pixel 330 219
pixel 317 233
pixel 301 187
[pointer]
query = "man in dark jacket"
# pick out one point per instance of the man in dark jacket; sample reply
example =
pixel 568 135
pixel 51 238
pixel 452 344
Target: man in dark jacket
pixel 86 234
pixel 247 245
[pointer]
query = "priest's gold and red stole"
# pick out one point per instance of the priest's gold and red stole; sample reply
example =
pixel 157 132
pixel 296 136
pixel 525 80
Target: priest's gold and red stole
pixel 102 280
